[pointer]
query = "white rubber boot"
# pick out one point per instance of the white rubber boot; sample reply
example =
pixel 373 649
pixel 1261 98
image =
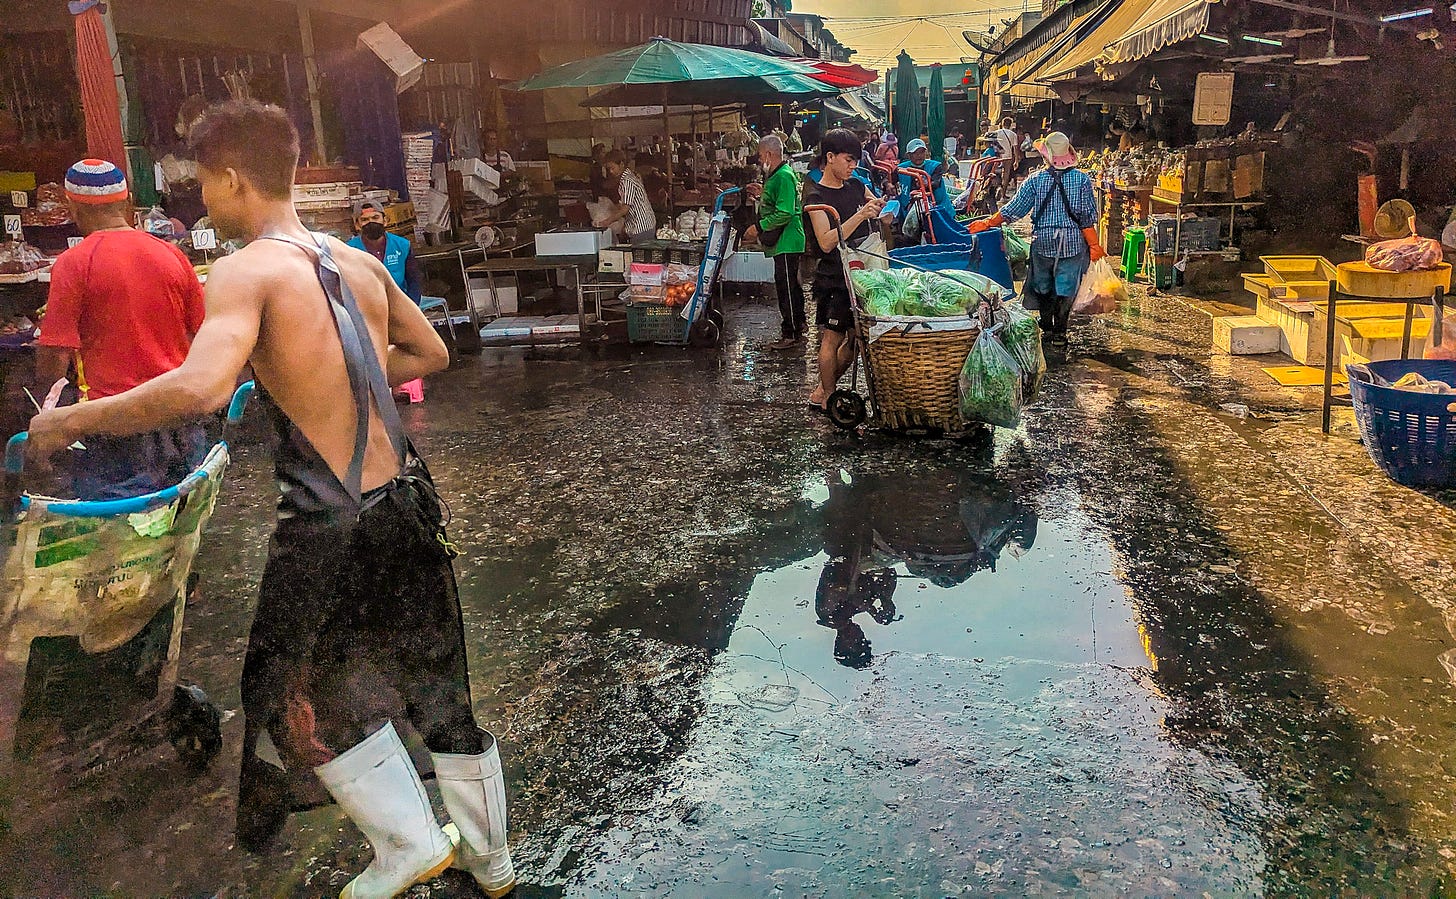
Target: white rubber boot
pixel 377 786
pixel 474 791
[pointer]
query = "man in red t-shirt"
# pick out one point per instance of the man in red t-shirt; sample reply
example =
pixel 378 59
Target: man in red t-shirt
pixel 123 309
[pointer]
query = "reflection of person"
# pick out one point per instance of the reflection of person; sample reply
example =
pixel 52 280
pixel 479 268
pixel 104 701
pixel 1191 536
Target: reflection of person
pixel 781 230
pixel 838 188
pixel 123 309
pixel 1064 240
pixel 849 585
pixel 358 615
pixel 633 208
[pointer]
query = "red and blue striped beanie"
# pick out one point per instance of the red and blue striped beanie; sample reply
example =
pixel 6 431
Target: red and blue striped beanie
pixel 95 181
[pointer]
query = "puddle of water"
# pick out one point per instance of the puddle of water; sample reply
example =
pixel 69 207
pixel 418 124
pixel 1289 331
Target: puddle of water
pixel 949 697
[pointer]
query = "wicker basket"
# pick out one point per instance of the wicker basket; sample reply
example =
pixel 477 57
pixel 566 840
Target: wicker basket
pixel 916 375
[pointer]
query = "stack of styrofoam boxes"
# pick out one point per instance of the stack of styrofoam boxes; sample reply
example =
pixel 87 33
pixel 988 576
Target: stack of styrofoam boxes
pixel 329 206
pixel 419 156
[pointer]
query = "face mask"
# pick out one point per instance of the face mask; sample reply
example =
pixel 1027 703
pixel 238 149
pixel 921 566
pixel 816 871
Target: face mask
pixel 372 231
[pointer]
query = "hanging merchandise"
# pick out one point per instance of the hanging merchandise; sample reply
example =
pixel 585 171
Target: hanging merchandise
pixel 991 383
pixel 1101 290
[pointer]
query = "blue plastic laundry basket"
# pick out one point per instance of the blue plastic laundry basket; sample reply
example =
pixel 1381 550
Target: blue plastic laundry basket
pixel 1411 436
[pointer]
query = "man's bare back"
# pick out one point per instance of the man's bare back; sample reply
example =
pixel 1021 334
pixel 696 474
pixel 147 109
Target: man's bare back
pixel 265 306
pixel 299 358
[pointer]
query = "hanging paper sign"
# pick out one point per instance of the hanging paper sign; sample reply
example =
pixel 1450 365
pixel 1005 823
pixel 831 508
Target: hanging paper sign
pixel 1213 99
pixel 19 199
pixel 12 226
pixel 204 239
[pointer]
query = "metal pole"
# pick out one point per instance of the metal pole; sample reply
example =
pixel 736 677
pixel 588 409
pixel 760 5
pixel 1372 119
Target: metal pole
pixel 310 71
pixel 667 149
pixel 1329 356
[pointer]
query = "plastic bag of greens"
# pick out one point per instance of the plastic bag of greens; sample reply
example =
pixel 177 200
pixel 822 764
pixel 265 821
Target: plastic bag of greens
pixel 990 383
pixel 1018 248
pixel 881 292
pixel 1021 336
pixel 981 288
pixel 931 295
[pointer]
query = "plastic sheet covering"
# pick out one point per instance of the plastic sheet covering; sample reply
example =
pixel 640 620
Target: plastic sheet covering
pixel 99 99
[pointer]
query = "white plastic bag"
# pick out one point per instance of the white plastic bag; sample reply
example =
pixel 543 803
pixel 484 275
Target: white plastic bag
pixel 1101 290
pixel 871 253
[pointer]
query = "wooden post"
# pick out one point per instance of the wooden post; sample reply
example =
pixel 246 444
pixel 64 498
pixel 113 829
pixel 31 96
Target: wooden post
pixel 310 72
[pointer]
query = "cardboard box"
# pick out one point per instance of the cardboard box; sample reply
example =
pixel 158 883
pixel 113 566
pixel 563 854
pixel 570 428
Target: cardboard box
pixel 398 214
pixel 1244 335
pixel 614 261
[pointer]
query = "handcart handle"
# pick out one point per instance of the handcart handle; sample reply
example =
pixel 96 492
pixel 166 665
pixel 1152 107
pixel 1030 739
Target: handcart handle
pixel 240 401
pixel 718 205
pixel 920 176
pixel 15 446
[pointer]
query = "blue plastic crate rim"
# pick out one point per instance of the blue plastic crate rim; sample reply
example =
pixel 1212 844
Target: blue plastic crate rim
pixel 1411 436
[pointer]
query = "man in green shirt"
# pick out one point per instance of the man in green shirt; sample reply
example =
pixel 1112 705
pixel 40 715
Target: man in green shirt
pixel 781 232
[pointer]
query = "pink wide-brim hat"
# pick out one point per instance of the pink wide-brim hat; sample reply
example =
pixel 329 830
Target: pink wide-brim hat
pixel 1057 150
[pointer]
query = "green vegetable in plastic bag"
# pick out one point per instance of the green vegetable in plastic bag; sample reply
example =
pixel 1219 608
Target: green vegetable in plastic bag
pixel 933 296
pixel 983 287
pixel 1018 248
pixel 880 291
pixel 991 383
pixel 1022 338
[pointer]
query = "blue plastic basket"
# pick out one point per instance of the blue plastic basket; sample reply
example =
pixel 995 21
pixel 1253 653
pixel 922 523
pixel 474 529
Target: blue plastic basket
pixel 983 253
pixel 1411 436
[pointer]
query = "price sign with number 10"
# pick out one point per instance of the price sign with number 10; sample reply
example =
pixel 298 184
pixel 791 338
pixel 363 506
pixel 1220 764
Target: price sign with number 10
pixel 204 239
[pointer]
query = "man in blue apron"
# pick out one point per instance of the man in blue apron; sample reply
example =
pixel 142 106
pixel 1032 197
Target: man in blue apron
pixel 919 155
pixel 396 252
pixel 1064 241
pixel 358 622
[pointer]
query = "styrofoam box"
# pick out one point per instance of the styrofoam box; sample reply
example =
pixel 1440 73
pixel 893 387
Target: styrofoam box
pixel 332 190
pixel 572 243
pixel 505 301
pixel 1245 335
pixel 749 267
pixel 476 169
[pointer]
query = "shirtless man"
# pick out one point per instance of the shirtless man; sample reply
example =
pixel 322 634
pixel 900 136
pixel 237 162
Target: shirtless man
pixel 358 619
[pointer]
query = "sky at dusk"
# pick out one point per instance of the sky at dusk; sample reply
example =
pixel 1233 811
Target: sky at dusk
pixel 936 39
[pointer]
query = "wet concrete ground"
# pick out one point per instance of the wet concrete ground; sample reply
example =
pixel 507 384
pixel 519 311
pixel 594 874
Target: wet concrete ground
pixel 1142 646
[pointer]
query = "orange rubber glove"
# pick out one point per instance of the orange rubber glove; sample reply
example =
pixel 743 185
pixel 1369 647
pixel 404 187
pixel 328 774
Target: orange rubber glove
pixel 1090 235
pixel 994 221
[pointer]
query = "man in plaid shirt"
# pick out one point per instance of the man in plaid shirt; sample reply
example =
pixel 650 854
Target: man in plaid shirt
pixel 1064 241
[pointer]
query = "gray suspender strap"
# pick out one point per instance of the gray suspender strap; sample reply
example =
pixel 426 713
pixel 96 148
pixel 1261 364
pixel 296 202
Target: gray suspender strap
pixel 366 376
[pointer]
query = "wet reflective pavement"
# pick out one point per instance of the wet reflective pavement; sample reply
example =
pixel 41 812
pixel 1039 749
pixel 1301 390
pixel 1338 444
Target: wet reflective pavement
pixel 1141 646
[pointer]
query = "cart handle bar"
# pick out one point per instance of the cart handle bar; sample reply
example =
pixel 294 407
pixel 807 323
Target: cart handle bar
pixel 839 227
pixel 15 464
pixel 718 204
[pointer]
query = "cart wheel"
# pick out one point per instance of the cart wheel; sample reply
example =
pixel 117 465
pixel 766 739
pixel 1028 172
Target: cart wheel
pixel 704 333
pixel 847 409
pixel 194 728
pixel 715 315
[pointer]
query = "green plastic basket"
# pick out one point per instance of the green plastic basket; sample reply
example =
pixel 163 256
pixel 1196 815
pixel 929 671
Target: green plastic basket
pixel 654 323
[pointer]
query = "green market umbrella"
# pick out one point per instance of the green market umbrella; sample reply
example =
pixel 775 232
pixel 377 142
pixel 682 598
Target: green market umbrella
pixel 906 114
pixel 664 72
pixel 716 92
pixel 663 62
pixel 935 113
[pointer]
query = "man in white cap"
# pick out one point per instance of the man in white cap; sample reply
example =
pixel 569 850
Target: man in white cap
pixel 919 155
pixel 1064 241
pixel 123 309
